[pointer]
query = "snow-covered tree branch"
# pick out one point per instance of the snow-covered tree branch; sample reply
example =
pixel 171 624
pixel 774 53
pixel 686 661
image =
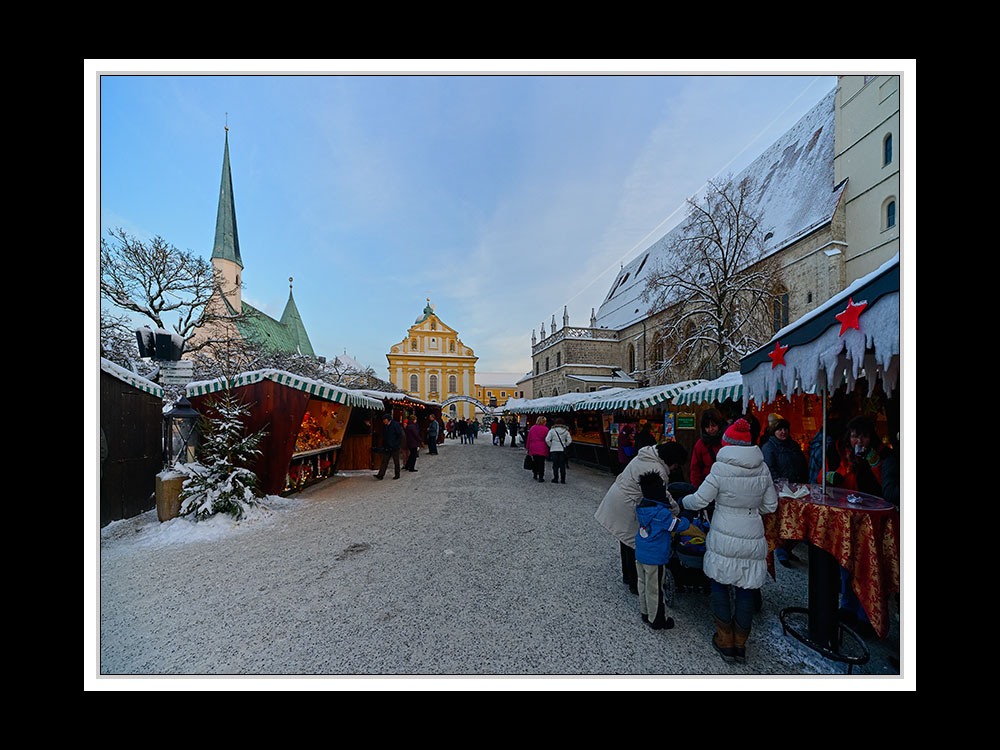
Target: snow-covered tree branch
pixel 713 294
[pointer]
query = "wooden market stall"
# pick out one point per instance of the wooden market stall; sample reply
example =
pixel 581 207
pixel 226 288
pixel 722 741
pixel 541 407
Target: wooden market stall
pixel 594 419
pixel 403 408
pixel 307 424
pixel 131 442
pixel 851 340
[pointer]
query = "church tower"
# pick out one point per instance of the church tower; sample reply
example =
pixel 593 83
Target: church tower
pixel 226 250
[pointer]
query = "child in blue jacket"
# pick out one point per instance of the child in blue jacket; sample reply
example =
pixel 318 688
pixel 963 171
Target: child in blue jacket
pixel 652 548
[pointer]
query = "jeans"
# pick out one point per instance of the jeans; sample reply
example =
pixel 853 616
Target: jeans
pixel 744 604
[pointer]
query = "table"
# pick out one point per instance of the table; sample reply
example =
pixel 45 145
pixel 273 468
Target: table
pixel 861 536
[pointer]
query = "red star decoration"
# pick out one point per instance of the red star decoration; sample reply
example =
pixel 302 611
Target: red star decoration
pixel 849 318
pixel 778 355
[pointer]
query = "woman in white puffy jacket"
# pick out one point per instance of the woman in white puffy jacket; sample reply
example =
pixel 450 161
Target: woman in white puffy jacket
pixel 735 557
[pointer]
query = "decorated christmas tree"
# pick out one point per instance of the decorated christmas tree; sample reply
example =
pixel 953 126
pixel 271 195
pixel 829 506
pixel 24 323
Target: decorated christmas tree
pixel 220 482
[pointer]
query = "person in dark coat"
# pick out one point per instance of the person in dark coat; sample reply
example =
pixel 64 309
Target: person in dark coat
pixel 513 433
pixel 433 431
pixel 392 441
pixel 501 432
pixel 412 433
pixel 785 460
pixel 645 437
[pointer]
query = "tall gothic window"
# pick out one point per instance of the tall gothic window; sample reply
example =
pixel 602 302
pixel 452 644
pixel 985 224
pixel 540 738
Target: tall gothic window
pixel 631 358
pixel 414 384
pixel 452 384
pixel 434 383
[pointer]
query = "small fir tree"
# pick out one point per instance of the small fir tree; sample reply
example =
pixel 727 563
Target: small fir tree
pixel 220 481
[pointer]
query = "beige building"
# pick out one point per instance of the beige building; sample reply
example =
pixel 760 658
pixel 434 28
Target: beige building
pixel 828 195
pixel 433 364
pixel 867 156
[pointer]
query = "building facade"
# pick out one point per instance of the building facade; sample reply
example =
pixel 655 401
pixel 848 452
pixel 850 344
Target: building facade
pixel 433 364
pixel 827 193
pixel 867 156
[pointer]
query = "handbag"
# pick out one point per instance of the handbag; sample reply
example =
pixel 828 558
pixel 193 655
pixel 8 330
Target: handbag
pixel 528 463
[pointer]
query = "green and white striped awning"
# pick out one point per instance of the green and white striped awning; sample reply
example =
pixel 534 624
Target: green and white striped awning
pixel 136 381
pixel 315 388
pixel 727 387
pixel 639 398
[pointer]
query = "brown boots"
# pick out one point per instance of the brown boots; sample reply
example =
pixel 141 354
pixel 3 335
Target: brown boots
pixel 739 643
pixel 724 640
pixel 730 640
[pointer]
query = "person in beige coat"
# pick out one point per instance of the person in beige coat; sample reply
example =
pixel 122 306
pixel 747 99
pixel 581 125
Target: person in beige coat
pixel 616 513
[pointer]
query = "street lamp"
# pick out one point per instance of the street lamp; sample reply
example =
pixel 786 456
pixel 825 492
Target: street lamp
pixel 179 425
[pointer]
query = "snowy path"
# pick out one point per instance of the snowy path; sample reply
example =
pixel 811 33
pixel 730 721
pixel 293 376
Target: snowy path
pixel 465 568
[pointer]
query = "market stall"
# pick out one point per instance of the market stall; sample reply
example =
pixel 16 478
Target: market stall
pixel 851 340
pixel 306 423
pixel 131 441
pixel 403 408
pixel 594 419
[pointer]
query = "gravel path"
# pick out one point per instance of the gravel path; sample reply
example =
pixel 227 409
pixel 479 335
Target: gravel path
pixel 466 567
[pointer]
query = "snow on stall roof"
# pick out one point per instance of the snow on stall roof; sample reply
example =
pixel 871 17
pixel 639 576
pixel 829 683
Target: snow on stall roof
pixel 127 376
pixel 795 195
pixel 314 387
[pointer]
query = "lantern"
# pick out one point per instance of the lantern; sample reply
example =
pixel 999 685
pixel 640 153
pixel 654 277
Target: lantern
pixel 179 433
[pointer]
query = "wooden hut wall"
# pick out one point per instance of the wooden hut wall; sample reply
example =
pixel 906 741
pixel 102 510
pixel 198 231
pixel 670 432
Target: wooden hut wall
pixel 276 409
pixel 132 421
pixel 356 450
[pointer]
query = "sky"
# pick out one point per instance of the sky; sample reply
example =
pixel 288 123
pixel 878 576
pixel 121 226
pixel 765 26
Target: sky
pixel 501 198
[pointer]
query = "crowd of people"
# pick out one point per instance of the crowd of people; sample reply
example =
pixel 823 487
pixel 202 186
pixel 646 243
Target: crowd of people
pixel 732 474
pixel 730 484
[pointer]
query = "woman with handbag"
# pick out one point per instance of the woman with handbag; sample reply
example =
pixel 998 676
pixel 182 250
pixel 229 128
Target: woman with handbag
pixel 538 449
pixel 557 439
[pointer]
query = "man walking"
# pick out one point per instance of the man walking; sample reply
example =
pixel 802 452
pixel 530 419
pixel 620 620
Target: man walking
pixel 392 439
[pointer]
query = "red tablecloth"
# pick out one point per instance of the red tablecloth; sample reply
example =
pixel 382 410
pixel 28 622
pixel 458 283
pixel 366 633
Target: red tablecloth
pixel 865 542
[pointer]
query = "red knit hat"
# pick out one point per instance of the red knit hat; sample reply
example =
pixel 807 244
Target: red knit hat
pixel 738 434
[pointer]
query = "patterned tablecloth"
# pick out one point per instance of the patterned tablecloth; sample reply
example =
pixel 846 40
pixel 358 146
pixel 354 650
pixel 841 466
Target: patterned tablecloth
pixel 862 536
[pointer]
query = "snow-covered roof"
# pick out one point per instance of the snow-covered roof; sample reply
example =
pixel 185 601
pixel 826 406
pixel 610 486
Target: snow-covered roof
pixel 396 396
pixel 606 400
pixel 820 348
pixel 137 381
pixel 727 387
pixel 312 387
pixel 795 195
pixel 623 378
pixel 638 398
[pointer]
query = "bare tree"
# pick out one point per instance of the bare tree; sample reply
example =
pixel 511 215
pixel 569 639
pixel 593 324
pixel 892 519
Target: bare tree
pixel 118 343
pixel 155 280
pixel 715 286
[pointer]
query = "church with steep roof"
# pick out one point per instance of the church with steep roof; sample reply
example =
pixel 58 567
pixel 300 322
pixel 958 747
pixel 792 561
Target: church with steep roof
pixel 288 333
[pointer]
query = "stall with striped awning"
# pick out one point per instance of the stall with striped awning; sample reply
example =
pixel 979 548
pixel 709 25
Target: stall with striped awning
pixel 312 387
pixel 729 387
pixel 639 398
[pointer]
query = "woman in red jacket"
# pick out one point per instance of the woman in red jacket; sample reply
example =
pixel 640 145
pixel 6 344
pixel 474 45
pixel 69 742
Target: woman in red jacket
pixel 705 450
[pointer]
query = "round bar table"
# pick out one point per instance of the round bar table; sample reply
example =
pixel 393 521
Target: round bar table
pixel 843 528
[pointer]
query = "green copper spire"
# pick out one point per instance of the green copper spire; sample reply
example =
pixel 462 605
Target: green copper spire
pixel 292 321
pixel 227 240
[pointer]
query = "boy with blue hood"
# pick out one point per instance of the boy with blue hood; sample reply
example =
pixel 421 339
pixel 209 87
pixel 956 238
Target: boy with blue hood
pixel 652 548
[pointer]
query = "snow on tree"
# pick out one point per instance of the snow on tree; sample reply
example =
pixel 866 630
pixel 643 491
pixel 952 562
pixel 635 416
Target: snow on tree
pixel 715 288
pixel 153 280
pixel 220 482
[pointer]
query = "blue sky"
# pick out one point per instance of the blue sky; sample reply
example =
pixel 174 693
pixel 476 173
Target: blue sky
pixel 502 198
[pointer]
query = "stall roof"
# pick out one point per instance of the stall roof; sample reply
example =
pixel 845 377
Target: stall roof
pixel 565 402
pixel 727 387
pixel 639 398
pixel 854 331
pixel 312 387
pixel 396 396
pixel 136 381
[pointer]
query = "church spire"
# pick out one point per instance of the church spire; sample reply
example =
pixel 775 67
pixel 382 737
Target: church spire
pixel 227 240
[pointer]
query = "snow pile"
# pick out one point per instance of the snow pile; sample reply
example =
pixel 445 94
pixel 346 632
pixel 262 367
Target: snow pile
pixel 146 532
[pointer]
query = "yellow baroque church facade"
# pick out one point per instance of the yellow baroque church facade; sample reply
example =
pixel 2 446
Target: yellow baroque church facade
pixel 433 364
